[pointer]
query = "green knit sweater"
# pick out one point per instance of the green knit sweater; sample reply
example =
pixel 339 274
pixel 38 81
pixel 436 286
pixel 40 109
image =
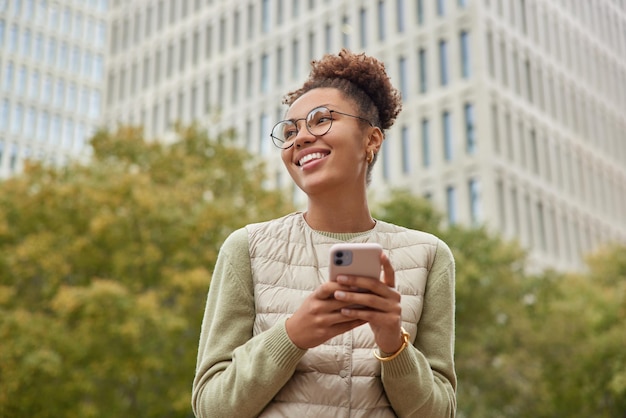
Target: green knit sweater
pixel 238 374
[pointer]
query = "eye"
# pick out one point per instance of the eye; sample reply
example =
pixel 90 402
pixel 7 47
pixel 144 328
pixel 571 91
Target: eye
pixel 319 116
pixel 289 131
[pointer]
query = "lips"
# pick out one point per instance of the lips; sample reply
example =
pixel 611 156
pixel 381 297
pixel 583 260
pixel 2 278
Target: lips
pixel 311 157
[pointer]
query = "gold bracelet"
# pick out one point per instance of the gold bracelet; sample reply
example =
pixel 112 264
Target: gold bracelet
pixel 405 343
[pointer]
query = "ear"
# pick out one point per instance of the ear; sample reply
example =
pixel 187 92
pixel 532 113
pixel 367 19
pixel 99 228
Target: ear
pixel 375 139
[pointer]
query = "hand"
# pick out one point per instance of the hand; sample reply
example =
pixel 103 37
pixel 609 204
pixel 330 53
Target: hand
pixel 319 318
pixel 381 307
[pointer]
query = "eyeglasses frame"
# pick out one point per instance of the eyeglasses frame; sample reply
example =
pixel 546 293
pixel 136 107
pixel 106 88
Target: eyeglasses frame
pixel 295 123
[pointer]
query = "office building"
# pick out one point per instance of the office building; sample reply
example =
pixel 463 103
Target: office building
pixel 513 110
pixel 52 65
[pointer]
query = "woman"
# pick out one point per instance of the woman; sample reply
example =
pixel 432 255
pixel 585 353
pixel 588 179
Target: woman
pixel 281 340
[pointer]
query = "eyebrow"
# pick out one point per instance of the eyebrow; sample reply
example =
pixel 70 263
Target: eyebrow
pixel 307 113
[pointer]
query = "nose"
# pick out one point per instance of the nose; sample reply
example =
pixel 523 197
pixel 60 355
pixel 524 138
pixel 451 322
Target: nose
pixel 303 136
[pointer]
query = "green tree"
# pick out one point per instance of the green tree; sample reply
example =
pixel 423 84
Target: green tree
pixel 104 269
pixel 547 345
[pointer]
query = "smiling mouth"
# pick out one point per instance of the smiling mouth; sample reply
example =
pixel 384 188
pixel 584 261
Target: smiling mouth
pixel 311 157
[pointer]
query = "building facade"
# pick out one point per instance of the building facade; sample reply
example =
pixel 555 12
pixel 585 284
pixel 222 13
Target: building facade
pixel 513 110
pixel 52 73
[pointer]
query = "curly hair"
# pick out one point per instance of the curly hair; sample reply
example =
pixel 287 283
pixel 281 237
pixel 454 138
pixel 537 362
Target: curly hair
pixel 361 78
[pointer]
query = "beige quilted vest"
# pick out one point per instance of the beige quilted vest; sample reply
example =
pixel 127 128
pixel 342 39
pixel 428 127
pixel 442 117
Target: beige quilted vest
pixel 339 378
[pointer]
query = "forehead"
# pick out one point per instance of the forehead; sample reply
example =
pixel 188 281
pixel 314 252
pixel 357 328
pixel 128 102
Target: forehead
pixel 317 97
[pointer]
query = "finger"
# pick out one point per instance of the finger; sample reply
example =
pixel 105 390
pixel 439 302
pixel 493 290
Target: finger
pixel 389 274
pixel 371 301
pixel 326 290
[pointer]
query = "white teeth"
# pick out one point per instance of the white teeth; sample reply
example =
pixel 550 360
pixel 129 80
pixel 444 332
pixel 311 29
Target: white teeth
pixel 310 157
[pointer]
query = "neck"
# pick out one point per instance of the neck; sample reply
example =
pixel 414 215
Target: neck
pixel 339 216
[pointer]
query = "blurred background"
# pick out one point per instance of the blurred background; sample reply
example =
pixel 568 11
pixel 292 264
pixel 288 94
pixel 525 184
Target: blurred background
pixel 134 137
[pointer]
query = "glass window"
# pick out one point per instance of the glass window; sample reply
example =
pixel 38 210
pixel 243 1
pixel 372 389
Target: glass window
pixel 385 160
pixel 404 80
pixel 39 47
pixel 195 47
pixel 21 81
pixel 451 204
pixel 381 20
pixel 172 11
pixel 423 69
pixel 26 43
pixel 279 65
pixel 264 125
pixel 236 27
pixel 279 12
pixel 420 11
pixel 33 86
pixel 59 93
pixel 68 133
pixel 265 84
pixel 13 39
pixel 249 78
pixel 346 29
pixel 475 202
pixel 265 16
pixel 311 47
pixel 55 129
pixel 328 38
pixel 83 105
pixel 443 63
pixel 182 58
pixel 470 134
pixel 208 45
pixel 8 77
pixel 148 22
pixel 465 54
pixel 250 25
pixel 42 126
pixel 295 59
pixel 78 26
pixel 52 51
pixel 18 115
pixel 29 123
pixel 234 85
pixel 222 37
pixel 76 60
pixel 72 91
pixel 425 143
pixel 66 20
pixel 4 115
pixel 406 150
pixel 2 26
pixel 400 15
pixel 170 61
pixel 29 10
pixel 101 34
pixel 441 7
pixel 447 136
pixel 95 105
pixel 98 68
pixel 47 89
pixel 363 27
pixel 53 16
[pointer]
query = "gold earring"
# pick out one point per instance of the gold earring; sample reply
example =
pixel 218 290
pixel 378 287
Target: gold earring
pixel 370 156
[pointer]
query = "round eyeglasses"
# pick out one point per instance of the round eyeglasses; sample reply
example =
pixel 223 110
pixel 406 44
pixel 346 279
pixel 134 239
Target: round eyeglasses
pixel 318 122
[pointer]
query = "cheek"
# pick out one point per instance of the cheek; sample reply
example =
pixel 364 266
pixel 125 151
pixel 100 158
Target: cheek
pixel 286 156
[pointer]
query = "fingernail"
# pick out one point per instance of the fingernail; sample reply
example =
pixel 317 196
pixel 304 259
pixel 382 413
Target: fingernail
pixel 342 279
pixel 339 294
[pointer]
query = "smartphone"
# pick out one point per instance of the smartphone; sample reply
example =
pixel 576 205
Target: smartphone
pixel 355 259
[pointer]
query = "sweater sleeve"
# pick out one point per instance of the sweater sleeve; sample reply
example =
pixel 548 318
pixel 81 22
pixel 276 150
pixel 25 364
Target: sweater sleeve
pixel 421 381
pixel 237 374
